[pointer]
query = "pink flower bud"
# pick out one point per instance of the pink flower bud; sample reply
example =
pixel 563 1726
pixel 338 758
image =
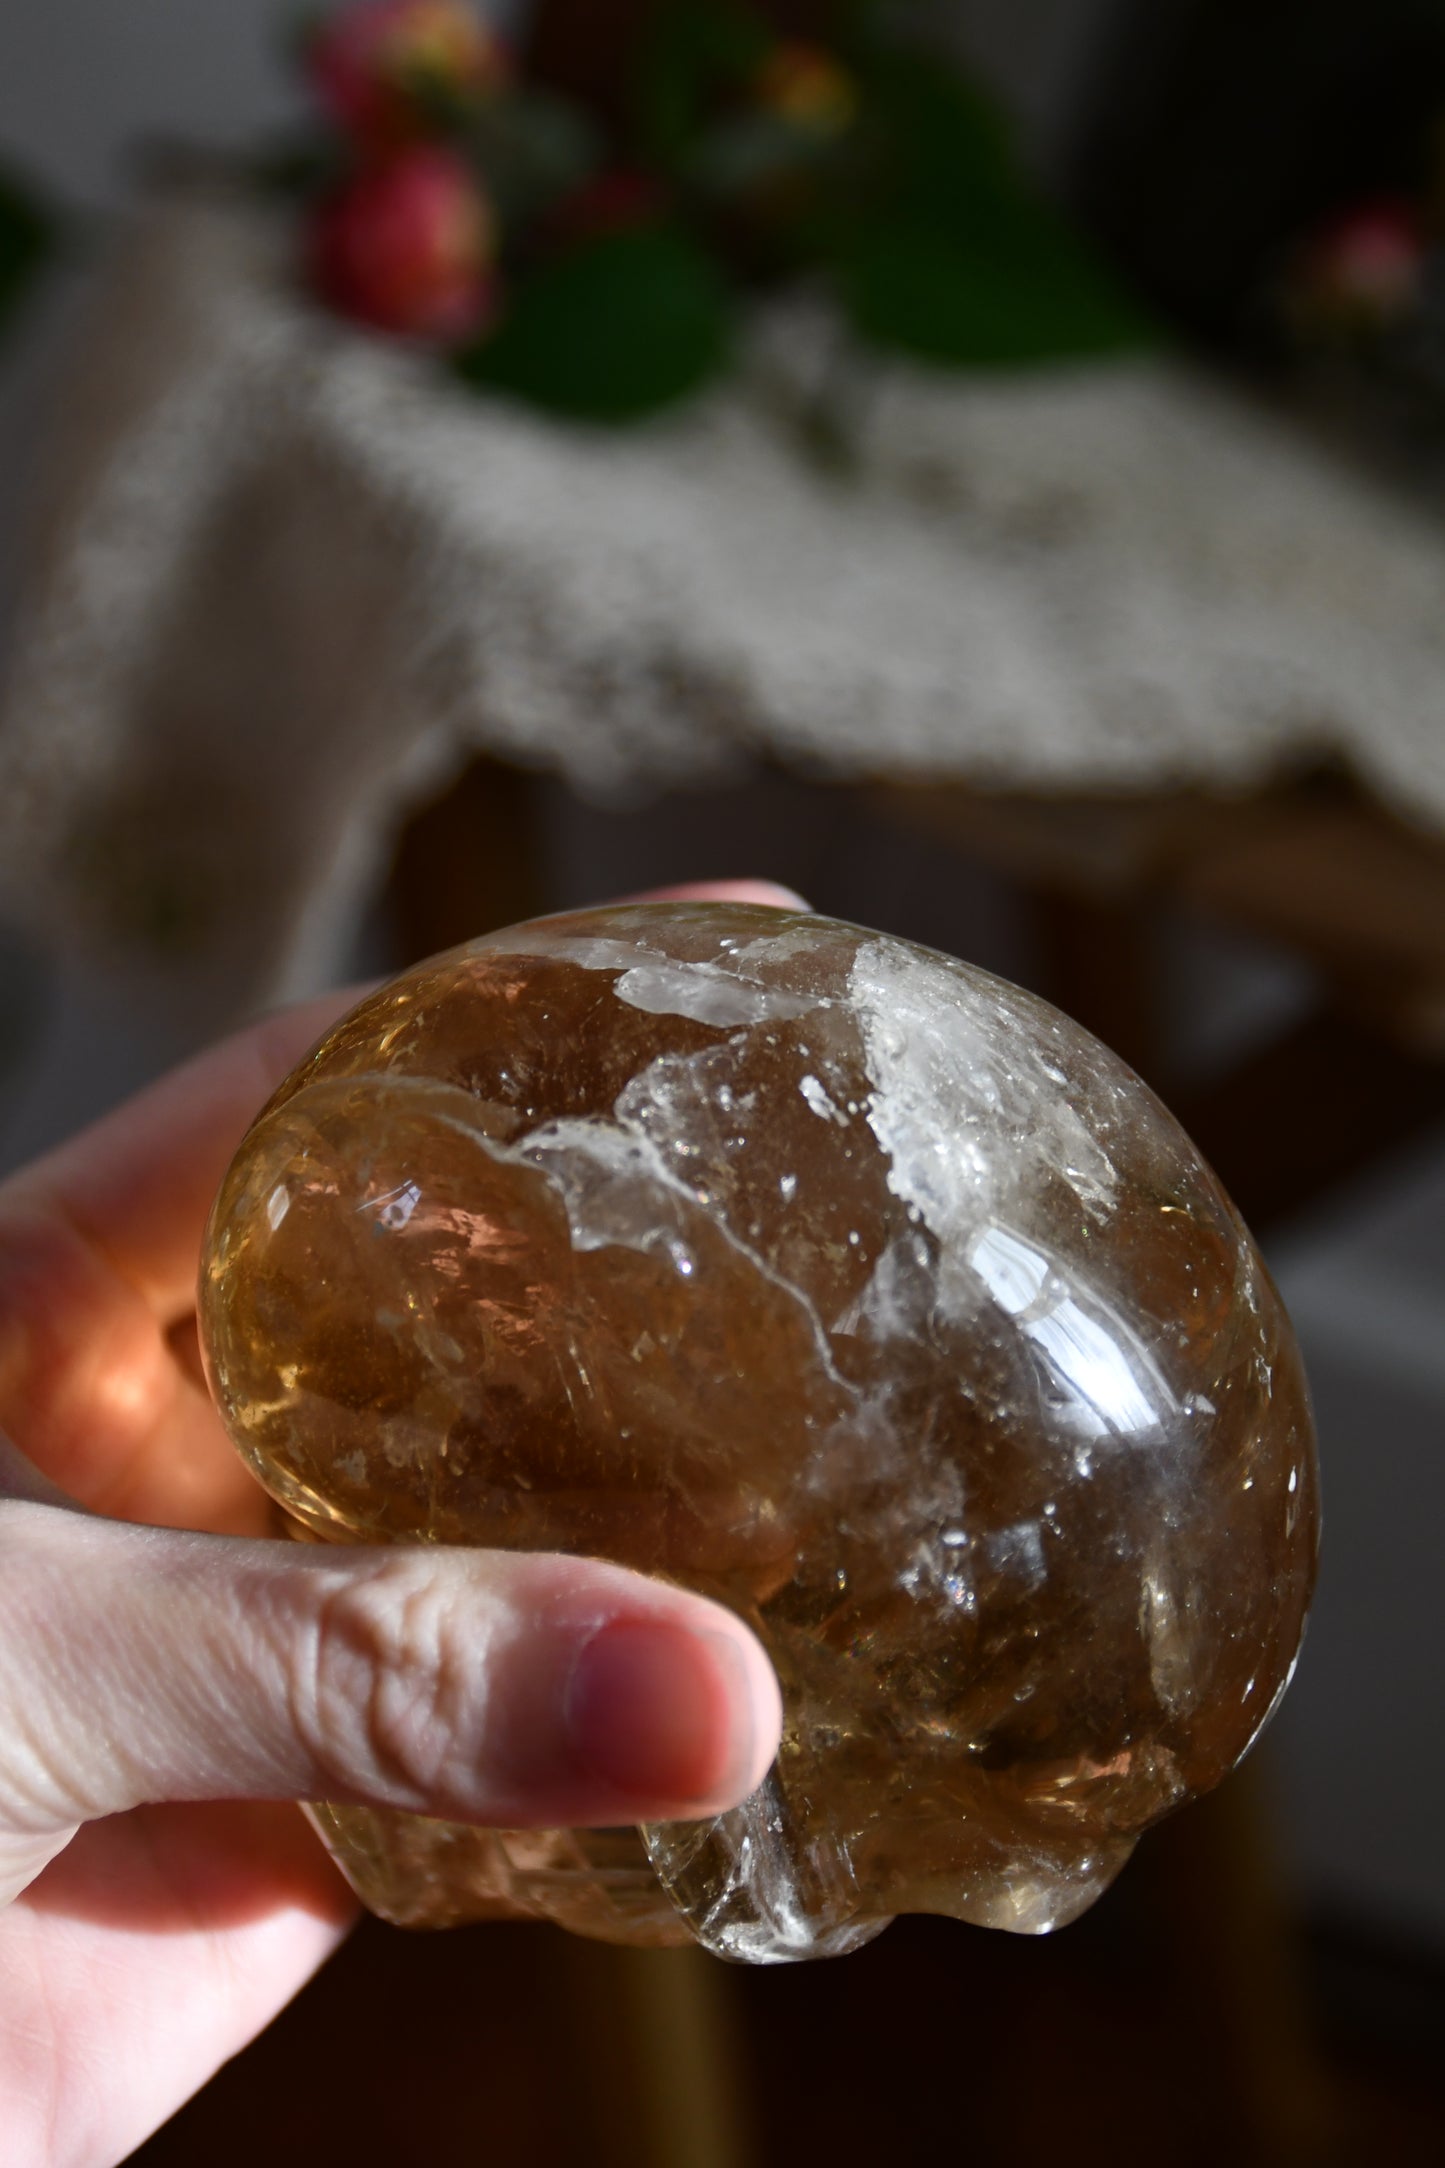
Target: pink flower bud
pixel 409 246
pixel 1364 267
pixel 384 68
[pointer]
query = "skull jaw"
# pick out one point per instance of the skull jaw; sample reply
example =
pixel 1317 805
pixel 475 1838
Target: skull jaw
pixel 420 1873
pixel 751 1886
pixel 751 1891
pixel 766 1885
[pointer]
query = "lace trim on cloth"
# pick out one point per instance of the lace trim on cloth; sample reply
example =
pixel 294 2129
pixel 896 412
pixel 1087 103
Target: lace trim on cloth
pixel 286 579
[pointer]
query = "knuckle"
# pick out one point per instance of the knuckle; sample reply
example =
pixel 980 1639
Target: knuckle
pixel 391 1696
pixel 45 1784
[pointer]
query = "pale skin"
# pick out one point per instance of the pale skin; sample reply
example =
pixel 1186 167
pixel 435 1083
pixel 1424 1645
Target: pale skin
pixel 170 1676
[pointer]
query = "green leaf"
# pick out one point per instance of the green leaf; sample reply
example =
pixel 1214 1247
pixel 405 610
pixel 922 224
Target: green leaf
pixel 27 238
pixel 745 151
pixel 933 140
pixel 612 331
pixel 943 247
pixel 1010 289
pixel 532 150
pixel 692 51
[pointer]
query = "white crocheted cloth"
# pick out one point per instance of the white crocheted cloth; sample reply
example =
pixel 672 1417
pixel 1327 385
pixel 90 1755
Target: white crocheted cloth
pixel 288 577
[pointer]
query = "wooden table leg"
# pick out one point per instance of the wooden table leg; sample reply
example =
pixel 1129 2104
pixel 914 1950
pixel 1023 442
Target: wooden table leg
pixel 471 860
pixel 653 2047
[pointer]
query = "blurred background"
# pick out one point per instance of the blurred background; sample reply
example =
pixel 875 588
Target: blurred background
pixel 1096 641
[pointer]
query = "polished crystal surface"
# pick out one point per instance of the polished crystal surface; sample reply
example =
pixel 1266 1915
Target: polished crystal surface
pixel 845 1283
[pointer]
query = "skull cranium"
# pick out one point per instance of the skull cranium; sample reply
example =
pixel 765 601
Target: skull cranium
pixel 846 1284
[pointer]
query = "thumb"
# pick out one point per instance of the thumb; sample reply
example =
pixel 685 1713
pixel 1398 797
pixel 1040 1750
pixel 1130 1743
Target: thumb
pixel 141 1664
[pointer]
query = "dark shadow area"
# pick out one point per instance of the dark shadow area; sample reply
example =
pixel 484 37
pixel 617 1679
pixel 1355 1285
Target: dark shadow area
pixel 1118 2039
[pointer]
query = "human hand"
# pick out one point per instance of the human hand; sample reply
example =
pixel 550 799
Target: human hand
pixel 167 1675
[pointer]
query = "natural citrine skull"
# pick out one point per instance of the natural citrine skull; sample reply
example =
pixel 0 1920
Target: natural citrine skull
pixel 845 1284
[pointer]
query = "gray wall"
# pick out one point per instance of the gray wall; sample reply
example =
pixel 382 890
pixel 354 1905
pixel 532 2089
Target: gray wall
pixel 80 80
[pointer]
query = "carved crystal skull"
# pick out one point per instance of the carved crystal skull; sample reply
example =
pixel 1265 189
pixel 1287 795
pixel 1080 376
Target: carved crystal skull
pixel 847 1285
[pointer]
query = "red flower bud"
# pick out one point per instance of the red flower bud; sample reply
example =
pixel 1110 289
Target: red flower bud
pixel 385 68
pixel 409 246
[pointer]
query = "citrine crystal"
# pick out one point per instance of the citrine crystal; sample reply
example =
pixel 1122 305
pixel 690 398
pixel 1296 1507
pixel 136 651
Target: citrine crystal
pixel 844 1283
